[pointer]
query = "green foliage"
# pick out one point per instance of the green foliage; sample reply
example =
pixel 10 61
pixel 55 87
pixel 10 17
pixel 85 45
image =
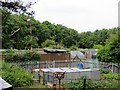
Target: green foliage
pixel 97 46
pixel 111 51
pixel 86 40
pixel 30 41
pixel 16 76
pixel 35 34
pixel 48 43
pixel 99 84
pixel 103 54
pixel 106 84
pixel 32 55
pixel 91 84
pixel 114 76
pixel 100 36
pixel 73 48
pixel 21 56
pixel 79 84
pixel 105 71
pixel 9 52
pixel 44 79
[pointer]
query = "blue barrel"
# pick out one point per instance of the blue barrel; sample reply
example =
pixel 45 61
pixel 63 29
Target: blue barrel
pixel 80 65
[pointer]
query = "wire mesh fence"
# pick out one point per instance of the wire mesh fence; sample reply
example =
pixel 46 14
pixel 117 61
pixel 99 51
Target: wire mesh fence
pixel 68 63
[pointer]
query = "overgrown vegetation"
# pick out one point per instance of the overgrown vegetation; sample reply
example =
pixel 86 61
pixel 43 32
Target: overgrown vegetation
pixel 16 33
pixel 12 55
pixel 111 51
pixel 16 76
pixel 109 81
pixel 114 76
pixel 105 71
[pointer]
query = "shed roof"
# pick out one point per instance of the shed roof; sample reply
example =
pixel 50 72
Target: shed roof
pixel 54 50
pixel 66 69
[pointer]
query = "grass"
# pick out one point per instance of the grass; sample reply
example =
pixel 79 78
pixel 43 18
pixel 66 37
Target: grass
pixel 0 67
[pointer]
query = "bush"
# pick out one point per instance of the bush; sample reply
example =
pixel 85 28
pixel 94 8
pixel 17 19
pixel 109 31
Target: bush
pixel 16 76
pixel 73 48
pixel 11 56
pixel 79 84
pixel 32 56
pixel 106 84
pixel 90 84
pixel 105 71
pixel 114 76
pixel 97 46
pixel 100 84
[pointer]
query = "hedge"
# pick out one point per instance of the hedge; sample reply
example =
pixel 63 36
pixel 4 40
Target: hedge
pixel 21 56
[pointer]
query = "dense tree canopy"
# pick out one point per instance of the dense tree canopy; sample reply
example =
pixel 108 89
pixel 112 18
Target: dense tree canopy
pixel 21 31
pixel 111 51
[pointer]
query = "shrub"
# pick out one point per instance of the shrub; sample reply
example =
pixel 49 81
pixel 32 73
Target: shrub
pixel 73 48
pixel 105 71
pixel 79 84
pixel 16 76
pixel 31 56
pixel 106 84
pixel 97 46
pixel 111 76
pixel 99 84
pixel 91 84
pixel 11 56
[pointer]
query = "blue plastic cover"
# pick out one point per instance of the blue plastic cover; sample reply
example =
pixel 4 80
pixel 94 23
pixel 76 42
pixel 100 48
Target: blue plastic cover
pixel 80 65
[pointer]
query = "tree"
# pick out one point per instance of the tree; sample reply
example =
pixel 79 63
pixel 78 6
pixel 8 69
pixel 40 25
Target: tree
pixel 30 42
pixel 14 26
pixel 100 36
pixel 48 43
pixel 111 51
pixel 17 6
pixel 40 32
pixel 86 40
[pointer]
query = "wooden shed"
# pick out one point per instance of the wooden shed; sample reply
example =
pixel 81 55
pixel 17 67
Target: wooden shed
pixel 55 54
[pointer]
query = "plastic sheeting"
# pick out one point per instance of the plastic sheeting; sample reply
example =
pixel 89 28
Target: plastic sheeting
pixel 4 84
pixel 71 74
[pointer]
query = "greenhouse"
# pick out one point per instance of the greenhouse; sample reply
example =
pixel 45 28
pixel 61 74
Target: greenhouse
pixel 71 74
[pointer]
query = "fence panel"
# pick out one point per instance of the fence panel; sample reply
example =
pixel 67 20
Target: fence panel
pixel 69 63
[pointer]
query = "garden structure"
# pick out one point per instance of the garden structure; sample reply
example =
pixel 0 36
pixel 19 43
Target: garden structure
pixel 47 75
pixel 50 56
pixel 55 54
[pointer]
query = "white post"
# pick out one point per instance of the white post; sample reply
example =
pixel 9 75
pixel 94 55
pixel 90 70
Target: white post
pixel 112 67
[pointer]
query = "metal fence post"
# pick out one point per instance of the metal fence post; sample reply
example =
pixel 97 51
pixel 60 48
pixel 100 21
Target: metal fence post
pixel 84 84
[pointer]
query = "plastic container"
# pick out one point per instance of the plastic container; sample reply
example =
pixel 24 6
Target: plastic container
pixel 80 65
